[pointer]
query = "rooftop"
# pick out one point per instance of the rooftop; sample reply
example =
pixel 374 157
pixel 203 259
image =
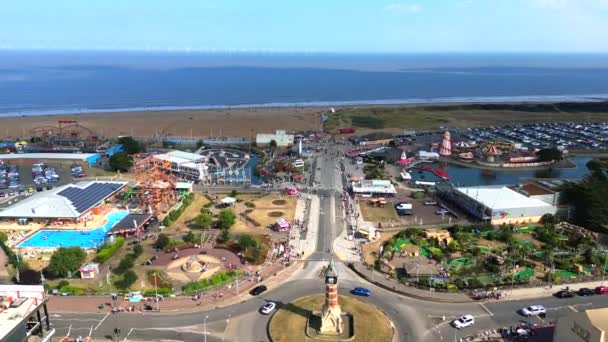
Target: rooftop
pixel 130 222
pixel 501 197
pixel 68 201
pixel 179 157
pixel 25 299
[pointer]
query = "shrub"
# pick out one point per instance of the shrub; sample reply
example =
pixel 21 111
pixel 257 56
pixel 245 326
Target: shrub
pixel 418 194
pixel 226 219
pixel 189 237
pixel 224 236
pixel 125 263
pixel 65 261
pixel 62 283
pixel 109 250
pixel 165 291
pixel 3 237
pixel 250 204
pixel 137 250
pixel 216 279
pixel 162 241
pixel 233 193
pixel 128 278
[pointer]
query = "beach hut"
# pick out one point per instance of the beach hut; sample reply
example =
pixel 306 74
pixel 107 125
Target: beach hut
pixel 228 200
pixel 282 225
pixel 89 271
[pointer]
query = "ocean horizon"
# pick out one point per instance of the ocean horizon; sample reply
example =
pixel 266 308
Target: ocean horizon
pixel 70 82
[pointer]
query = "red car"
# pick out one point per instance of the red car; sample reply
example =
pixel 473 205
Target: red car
pixel 601 289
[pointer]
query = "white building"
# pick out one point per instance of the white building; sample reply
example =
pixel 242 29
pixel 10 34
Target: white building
pixel 186 165
pixel 282 138
pixel 424 155
pixel 501 204
pixel 373 186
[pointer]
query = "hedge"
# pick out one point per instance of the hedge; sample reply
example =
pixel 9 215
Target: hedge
pixel 165 291
pixel 12 257
pixel 109 250
pixel 175 214
pixel 216 279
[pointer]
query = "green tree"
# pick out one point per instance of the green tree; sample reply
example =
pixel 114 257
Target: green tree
pixel 3 237
pixel 233 193
pixel 550 154
pixel 199 144
pixel 226 219
pixel 128 278
pixel 138 250
pixel 273 144
pixel 204 220
pixel 245 241
pixel 189 237
pixel 162 241
pixel 224 236
pixel 64 261
pixel 130 145
pixel 120 161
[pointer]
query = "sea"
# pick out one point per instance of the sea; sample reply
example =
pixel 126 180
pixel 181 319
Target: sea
pixel 59 82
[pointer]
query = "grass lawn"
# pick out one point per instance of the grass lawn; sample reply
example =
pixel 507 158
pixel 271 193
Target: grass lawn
pixel 378 214
pixel 264 209
pixel 187 217
pixel 396 118
pixel 289 323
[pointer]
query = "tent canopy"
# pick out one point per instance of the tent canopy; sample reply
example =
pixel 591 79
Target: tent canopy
pixel 228 200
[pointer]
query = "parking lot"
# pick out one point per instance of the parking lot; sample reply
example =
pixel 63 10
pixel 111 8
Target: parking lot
pixel 24 167
pixel 569 135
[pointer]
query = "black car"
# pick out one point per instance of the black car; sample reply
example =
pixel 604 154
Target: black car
pixel 585 291
pixel 564 294
pixel 257 290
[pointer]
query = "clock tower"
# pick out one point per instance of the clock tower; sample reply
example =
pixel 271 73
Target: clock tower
pixel 331 315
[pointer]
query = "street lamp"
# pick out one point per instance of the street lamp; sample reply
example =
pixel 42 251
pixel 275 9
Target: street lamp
pixel 205 327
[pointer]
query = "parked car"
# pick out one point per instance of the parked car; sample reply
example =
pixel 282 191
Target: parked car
pixel 258 290
pixel 533 310
pixel 463 322
pixel 11 193
pixel 2 195
pixel 430 203
pixel 585 291
pixel 564 294
pixel 601 289
pixel 268 308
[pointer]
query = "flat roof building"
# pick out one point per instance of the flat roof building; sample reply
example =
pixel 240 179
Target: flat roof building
pixel 23 314
pixel 71 201
pixel 185 165
pixel 282 138
pixel 496 204
pixel 583 326
pixel 373 186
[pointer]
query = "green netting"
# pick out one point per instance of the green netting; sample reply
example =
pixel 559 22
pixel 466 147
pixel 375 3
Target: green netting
pixel 528 229
pixel 484 249
pixel 458 263
pixel 524 275
pixel 565 274
pixel 399 243
pixel 525 243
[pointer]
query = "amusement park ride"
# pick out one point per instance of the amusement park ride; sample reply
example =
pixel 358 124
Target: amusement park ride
pixel 155 189
pixel 66 133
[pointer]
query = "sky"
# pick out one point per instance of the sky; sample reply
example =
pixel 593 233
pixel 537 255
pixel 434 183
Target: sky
pixel 342 26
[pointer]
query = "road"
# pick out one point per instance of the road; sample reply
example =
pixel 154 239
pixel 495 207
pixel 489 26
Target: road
pixel 414 320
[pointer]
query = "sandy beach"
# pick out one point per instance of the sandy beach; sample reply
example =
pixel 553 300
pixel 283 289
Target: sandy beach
pixel 244 122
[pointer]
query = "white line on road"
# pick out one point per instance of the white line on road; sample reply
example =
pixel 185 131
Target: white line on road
pixel 103 319
pixel 572 308
pixel 129 333
pixel 69 330
pixel 77 319
pixel 487 310
pixel 333 210
pixel 91 331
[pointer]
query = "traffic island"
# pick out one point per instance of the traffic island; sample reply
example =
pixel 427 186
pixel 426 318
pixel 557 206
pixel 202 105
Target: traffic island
pixel 300 321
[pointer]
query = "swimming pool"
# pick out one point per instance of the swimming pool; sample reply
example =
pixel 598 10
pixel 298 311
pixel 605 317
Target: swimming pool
pixel 51 238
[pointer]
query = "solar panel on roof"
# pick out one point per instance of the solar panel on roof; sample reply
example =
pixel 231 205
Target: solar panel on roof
pixel 84 198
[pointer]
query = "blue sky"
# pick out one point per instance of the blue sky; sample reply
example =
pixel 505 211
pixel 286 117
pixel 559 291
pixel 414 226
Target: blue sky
pixel 312 25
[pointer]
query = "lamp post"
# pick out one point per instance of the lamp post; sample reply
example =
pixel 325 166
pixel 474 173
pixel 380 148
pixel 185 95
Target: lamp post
pixel 205 327
pixel 156 293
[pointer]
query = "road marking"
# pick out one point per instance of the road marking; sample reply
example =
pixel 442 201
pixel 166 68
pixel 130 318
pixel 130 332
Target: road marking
pixel 487 310
pixel 91 331
pixel 69 330
pixel 333 211
pixel 77 319
pixel 129 333
pixel 572 308
pixel 103 319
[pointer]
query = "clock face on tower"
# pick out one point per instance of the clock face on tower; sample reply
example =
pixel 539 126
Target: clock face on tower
pixel 331 280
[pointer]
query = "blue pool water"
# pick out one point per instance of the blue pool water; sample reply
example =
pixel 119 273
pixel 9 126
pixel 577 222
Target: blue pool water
pixel 50 238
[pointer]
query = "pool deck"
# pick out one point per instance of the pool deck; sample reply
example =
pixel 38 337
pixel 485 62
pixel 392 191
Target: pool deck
pixel 95 222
